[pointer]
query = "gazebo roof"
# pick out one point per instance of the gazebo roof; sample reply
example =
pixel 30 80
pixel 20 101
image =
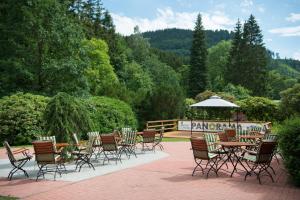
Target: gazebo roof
pixel 215 101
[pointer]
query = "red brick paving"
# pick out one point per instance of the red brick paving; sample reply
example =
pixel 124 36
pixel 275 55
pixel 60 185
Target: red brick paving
pixel 169 178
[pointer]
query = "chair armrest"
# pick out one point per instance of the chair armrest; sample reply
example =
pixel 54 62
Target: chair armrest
pixel 249 151
pixel 22 150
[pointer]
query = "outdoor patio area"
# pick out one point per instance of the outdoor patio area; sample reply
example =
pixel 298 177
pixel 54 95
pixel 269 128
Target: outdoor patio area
pixel 159 175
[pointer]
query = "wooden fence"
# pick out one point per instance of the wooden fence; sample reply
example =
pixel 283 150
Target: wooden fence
pixel 166 125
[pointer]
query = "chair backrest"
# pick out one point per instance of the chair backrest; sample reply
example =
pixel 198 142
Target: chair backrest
pixel 44 151
pixel 124 130
pixel 48 138
pixel 109 142
pixel 10 155
pixel 75 139
pixel 231 133
pixel 270 137
pixel 211 140
pixel 223 137
pixel 199 147
pixel 90 144
pixel 130 138
pixel 266 151
pixel 149 136
pixel 96 136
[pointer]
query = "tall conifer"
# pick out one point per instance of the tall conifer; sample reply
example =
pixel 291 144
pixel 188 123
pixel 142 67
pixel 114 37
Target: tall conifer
pixel 198 69
pixel 247 63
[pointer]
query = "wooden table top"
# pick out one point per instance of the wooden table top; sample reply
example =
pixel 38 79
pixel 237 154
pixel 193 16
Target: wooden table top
pixel 252 136
pixel 62 144
pixel 234 144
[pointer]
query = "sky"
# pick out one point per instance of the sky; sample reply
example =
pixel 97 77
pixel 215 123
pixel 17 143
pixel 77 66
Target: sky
pixel 279 20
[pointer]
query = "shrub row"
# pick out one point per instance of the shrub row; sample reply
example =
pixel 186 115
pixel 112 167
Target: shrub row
pixel 25 116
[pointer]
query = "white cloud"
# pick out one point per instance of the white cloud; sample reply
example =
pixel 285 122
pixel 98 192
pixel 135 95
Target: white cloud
pixel 167 18
pixel 293 17
pixel 287 31
pixel 261 9
pixel 296 55
pixel 246 3
pixel 269 39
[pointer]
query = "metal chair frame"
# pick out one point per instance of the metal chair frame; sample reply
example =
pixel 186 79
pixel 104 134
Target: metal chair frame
pixel 111 150
pixel 17 164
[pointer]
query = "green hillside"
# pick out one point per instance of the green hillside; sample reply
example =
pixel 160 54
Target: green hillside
pixel 179 40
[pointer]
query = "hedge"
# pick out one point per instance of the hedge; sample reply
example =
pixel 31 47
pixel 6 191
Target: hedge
pixel 21 117
pixel 108 114
pixel 289 143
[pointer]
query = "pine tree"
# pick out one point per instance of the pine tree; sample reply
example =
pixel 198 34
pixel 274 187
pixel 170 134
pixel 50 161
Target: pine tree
pixel 234 59
pixel 247 62
pixel 254 58
pixel 198 69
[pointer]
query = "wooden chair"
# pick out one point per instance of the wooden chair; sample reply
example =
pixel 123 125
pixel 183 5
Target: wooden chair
pixel 223 137
pixel 148 140
pixel 110 148
pixel 158 140
pixel 200 152
pixel 17 162
pixel 84 156
pixel 48 160
pixel 231 134
pixel 128 144
pixel 49 138
pixel 97 148
pixel 261 160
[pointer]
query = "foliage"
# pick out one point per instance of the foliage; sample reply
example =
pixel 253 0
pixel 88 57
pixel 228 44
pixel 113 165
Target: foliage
pixel 108 114
pixel 237 91
pixel 248 58
pixel 40 43
pixel 207 94
pixel 290 100
pixel 21 117
pixel 179 41
pixel 259 108
pixel 188 112
pixel 138 82
pixel 289 143
pixel 198 68
pixel 100 74
pixel 278 83
pixel 139 45
pixel 166 101
pixel 65 115
pixel 216 64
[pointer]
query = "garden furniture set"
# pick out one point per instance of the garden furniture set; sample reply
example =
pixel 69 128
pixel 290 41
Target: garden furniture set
pixel 213 151
pixel 50 155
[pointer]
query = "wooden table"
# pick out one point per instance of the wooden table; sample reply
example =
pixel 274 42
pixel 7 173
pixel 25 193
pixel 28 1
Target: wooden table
pixel 231 148
pixel 252 137
pixel 60 145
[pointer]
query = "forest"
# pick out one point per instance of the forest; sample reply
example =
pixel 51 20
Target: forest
pixel 63 60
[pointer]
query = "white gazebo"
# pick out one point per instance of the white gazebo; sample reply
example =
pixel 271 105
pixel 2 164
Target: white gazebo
pixel 213 102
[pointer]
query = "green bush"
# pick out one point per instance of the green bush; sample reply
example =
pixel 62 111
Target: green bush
pixel 21 117
pixel 207 94
pixel 259 108
pixel 65 115
pixel 290 100
pixel 108 114
pixel 289 143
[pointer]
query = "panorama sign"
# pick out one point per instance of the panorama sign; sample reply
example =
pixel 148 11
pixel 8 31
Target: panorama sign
pixel 215 126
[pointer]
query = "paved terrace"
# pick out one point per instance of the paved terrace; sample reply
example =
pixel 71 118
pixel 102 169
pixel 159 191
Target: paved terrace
pixel 166 178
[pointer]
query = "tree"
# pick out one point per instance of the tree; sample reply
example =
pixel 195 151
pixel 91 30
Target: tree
pixel 254 58
pixel 198 69
pixel 100 74
pixel 40 43
pixel 290 100
pixel 234 63
pixel 216 64
pixel 248 58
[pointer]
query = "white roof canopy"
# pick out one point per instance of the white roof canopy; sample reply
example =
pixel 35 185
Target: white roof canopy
pixel 215 101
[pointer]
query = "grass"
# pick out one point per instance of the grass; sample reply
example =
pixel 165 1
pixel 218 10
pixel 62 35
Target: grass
pixel 8 198
pixel 175 140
